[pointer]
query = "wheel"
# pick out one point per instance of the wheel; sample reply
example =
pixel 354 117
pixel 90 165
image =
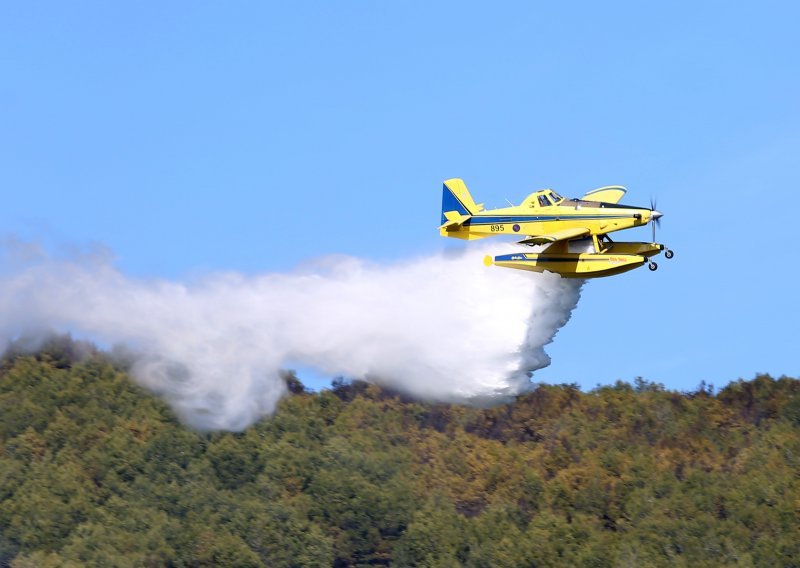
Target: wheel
pixel 652 266
pixel 668 253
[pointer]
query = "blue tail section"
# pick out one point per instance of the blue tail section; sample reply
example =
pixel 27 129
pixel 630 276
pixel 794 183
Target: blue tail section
pixel 455 197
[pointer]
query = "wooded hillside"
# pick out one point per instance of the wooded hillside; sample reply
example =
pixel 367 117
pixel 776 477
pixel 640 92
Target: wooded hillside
pixel 95 471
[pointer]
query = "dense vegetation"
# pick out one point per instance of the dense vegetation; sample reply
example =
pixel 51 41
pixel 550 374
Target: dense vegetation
pixel 96 472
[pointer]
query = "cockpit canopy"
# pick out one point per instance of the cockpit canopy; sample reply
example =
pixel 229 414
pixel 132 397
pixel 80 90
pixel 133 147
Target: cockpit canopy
pixel 543 198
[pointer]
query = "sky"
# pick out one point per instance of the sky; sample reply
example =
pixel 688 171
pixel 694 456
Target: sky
pixel 192 138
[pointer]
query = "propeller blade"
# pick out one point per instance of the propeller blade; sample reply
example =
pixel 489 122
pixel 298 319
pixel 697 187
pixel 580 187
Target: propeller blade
pixel 656 218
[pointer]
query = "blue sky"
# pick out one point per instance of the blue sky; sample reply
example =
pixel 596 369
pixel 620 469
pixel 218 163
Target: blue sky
pixel 196 137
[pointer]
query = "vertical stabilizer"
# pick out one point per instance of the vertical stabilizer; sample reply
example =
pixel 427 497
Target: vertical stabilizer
pixel 456 197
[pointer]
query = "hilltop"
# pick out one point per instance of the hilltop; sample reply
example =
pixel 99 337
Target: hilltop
pixel 95 471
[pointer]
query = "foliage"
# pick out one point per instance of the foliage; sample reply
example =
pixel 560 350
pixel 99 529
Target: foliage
pixel 94 471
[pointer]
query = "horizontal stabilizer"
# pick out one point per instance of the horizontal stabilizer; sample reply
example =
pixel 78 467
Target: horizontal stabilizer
pixel 454 219
pixel 608 194
pixel 563 235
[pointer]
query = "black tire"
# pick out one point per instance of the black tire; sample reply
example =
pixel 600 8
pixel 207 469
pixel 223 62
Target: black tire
pixel 668 253
pixel 652 266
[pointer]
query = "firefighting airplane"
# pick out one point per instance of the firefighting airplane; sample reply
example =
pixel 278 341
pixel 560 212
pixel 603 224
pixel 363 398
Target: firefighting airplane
pixel 574 232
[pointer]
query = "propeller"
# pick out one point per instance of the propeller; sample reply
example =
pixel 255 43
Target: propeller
pixel 655 217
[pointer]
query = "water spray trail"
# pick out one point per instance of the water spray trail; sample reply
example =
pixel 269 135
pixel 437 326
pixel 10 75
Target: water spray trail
pixel 440 327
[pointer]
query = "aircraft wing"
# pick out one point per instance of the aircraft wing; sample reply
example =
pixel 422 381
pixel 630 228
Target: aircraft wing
pixel 562 235
pixel 608 194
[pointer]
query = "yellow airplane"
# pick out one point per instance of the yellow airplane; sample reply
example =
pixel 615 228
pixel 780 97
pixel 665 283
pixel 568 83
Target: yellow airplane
pixel 574 231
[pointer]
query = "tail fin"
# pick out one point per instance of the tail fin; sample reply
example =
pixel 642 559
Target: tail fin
pixel 456 198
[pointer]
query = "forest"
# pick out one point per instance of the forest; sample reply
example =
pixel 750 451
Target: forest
pixel 96 471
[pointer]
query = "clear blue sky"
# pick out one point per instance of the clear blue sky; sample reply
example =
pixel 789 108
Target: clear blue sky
pixel 202 136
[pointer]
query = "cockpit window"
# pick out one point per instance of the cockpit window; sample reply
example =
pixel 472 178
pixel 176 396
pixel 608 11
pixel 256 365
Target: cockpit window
pixel 543 201
pixel 556 197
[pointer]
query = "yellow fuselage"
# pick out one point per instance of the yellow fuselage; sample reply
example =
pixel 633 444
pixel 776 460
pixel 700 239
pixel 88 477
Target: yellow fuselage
pixel 530 219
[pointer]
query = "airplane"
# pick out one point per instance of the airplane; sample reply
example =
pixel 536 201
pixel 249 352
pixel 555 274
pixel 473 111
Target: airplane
pixel 574 232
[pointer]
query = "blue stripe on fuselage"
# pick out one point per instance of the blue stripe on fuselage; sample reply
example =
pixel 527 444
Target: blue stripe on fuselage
pixel 503 219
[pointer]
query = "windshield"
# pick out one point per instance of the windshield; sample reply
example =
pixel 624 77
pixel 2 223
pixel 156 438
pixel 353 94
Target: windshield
pixel 556 197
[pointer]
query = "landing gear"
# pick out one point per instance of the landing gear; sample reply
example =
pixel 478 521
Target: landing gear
pixel 652 266
pixel 668 253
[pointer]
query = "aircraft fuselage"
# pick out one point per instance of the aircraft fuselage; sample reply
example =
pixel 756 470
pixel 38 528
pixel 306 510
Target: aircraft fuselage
pixel 535 220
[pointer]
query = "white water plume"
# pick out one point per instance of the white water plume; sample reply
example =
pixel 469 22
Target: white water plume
pixel 441 327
